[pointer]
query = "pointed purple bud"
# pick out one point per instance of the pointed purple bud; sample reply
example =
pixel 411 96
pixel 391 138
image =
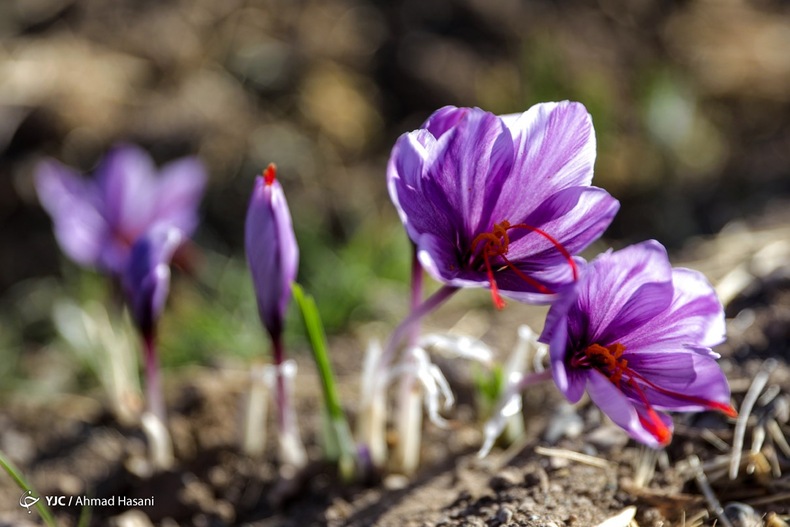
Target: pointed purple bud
pixel 146 280
pixel 272 253
pixel 636 334
pixel 97 221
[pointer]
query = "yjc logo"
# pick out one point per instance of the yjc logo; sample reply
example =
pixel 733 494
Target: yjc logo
pixel 27 500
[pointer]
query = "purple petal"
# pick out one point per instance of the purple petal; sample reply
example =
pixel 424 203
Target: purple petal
pixel 126 177
pixel 439 260
pixel 622 410
pixel 695 317
pixel 613 279
pixel 696 380
pixel 443 119
pixel 646 303
pixel 405 183
pixel 467 169
pixel 180 189
pixel 146 280
pixel 73 205
pixel 569 381
pixel 272 252
pixel 557 319
pixel 574 217
pixel 554 149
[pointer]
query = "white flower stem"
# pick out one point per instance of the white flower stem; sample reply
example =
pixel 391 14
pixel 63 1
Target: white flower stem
pixel 372 421
pixel 407 455
pixel 153 385
pixel 516 364
pixel 417 313
pixel 409 412
pixel 292 451
pixel 159 443
pixel 254 426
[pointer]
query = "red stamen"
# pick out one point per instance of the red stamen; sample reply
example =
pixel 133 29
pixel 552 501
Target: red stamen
pixel 561 248
pixel 496 244
pixel 609 361
pixel 656 427
pixel 270 174
pixel 726 409
pixel 537 285
pixel 495 296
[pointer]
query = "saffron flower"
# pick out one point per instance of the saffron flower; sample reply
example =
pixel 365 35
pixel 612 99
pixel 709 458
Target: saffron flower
pixel 97 221
pixel 637 334
pixel 146 282
pixel 501 201
pixel 273 259
pixel 272 252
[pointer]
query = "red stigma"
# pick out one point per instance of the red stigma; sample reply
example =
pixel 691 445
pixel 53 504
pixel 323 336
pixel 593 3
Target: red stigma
pixel 270 174
pixel 496 245
pixel 609 361
pixel 656 426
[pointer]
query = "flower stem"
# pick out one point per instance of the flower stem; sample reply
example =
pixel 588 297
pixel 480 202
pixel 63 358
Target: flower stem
pixel 417 313
pixel 153 385
pixel 533 378
pixel 154 420
pixel 291 449
pixel 280 397
pixel 509 405
pixel 409 413
pixel 416 292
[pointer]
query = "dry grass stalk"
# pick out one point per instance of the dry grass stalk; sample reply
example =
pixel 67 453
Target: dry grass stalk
pixel 573 456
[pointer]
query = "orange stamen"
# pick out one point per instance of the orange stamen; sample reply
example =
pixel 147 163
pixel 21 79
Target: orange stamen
pixel 270 174
pixel 497 243
pixel 610 358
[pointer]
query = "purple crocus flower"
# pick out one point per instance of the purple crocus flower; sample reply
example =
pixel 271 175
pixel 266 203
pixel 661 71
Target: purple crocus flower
pixel 146 280
pixel 272 252
pixel 637 335
pixel 97 221
pixel 273 258
pixel 501 201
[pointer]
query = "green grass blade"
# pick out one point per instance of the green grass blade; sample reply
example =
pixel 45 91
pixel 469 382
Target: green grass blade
pixel 337 417
pixel 16 475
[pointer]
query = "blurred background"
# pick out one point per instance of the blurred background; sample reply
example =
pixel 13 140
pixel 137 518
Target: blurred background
pixel 690 101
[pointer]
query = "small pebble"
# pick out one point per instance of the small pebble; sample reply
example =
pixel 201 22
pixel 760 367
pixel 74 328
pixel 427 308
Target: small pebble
pixel 742 515
pixel 396 482
pixel 504 515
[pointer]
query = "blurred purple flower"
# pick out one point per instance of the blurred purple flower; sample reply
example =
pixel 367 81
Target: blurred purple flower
pixel 97 221
pixel 501 201
pixel 637 335
pixel 146 280
pixel 272 252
